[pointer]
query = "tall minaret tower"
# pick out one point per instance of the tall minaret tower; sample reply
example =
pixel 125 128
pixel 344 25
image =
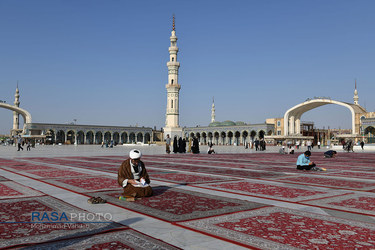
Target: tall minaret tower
pixel 355 94
pixel 213 110
pixel 16 116
pixel 172 126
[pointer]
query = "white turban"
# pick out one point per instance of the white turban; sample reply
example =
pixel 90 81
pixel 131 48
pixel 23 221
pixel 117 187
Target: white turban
pixel 135 154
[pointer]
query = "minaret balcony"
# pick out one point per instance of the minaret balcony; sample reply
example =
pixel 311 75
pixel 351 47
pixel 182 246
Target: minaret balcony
pixel 175 86
pixel 173 49
pixel 176 64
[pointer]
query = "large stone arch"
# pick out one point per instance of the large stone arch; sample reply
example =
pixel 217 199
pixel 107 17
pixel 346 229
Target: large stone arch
pixel 25 114
pixel 292 117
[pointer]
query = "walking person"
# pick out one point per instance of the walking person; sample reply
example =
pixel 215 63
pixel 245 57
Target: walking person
pixel 28 148
pixel 318 144
pixel 168 145
pixel 308 145
pixel 19 143
pixel 362 144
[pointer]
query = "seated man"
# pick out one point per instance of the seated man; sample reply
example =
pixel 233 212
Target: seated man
pixel 330 154
pixel 133 177
pixel 304 163
pixel 282 150
pixel 211 150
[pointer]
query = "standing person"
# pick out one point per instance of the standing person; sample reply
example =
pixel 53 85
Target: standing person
pixel 297 144
pixel 184 145
pixel 180 146
pixel 189 145
pixel 308 145
pixel 319 144
pixel 195 147
pixel 133 177
pixel 175 145
pixel 19 143
pixel 362 144
pixel 28 148
pixel 168 144
pixel 304 163
pixel 256 144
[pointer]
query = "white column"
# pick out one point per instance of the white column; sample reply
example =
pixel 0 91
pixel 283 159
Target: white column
pixel 291 125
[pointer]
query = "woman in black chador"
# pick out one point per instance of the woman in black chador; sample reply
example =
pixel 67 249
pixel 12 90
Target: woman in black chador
pixel 175 146
pixel 195 147
pixel 180 145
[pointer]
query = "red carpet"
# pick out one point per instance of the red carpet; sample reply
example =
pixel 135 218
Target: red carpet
pixel 10 189
pixel 281 228
pixel 273 191
pixel 352 202
pixel 186 178
pixel 28 231
pixel 331 182
pixel 87 184
pixel 123 239
pixel 173 204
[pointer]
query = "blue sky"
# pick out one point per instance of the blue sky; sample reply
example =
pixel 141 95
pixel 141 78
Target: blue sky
pixel 104 62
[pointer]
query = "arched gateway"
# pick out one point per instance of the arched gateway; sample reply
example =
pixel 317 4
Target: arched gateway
pixel 25 114
pixel 292 117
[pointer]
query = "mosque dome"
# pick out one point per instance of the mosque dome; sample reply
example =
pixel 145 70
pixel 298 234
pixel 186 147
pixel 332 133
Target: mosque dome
pixel 214 124
pixel 228 123
pixel 239 123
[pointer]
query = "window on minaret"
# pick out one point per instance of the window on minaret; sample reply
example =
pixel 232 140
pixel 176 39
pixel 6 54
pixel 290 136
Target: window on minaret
pixel 171 104
pixel 172 81
pixel 172 59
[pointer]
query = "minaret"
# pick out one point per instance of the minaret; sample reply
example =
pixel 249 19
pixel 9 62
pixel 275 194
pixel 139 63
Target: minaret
pixel 173 88
pixel 16 116
pixel 213 110
pixel 356 94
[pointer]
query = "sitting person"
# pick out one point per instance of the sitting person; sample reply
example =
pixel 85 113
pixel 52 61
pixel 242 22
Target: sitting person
pixel 330 154
pixel 282 150
pixel 291 150
pixel 304 163
pixel 133 177
pixel 210 150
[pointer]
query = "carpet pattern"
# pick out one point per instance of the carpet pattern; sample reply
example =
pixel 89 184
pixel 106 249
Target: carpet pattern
pixel 331 182
pixel 10 189
pixel 353 202
pixel 26 230
pixel 87 184
pixel 174 204
pixel 184 178
pixel 57 173
pixel 281 228
pixel 124 239
pixel 282 192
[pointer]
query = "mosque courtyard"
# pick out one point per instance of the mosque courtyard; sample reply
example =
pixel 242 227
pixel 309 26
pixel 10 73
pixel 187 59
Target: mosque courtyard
pixel 237 198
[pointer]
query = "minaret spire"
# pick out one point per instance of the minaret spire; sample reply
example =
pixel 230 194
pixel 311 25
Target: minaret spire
pixel 16 116
pixel 173 26
pixel 355 93
pixel 213 110
pixel 172 126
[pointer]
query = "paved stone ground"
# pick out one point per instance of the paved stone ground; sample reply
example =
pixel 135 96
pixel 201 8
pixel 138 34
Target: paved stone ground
pixel 237 198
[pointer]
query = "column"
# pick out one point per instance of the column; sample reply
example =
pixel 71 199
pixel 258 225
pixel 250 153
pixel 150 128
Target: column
pixel 291 125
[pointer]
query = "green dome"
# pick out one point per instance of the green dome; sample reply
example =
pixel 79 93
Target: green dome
pixel 214 124
pixel 228 123
pixel 240 123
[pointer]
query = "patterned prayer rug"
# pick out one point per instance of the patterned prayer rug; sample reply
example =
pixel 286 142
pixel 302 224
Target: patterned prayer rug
pixel 358 203
pixel 331 182
pixel 354 174
pixel 11 189
pixel 87 184
pixel 274 191
pixel 174 204
pixel 281 228
pixel 184 178
pixel 124 239
pixel 56 173
pixel 39 219
pixel 27 166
